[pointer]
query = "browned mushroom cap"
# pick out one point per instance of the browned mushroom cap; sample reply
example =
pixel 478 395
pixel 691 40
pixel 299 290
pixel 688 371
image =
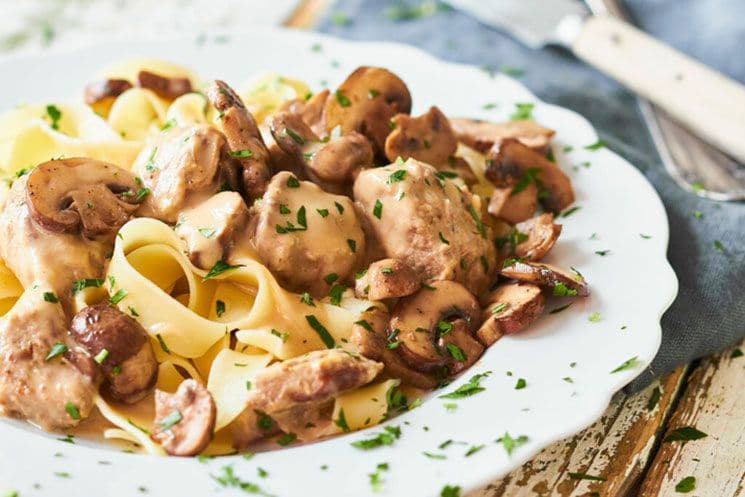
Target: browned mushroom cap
pixel 243 135
pixel 80 193
pixel 105 88
pixel 423 325
pixel 310 110
pixel 560 281
pixel 365 102
pixel 541 234
pixel 510 163
pixel 513 206
pixel 370 337
pixel 185 420
pixel 336 160
pixel 170 88
pixel 121 347
pixel 386 279
pixel 482 135
pixel 511 307
pixel 427 138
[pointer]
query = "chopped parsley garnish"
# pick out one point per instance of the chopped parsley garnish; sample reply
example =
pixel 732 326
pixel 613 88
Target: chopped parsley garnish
pixel 264 422
pixel 286 439
pixel 561 290
pixel 372 93
pixel 387 270
pixel 456 352
pixel 163 344
pixel 219 268
pixel 283 209
pixel 684 434
pixel 594 317
pixel 306 299
pixel 584 476
pixel 72 411
pixel 646 237
pixel 718 245
pixel 342 99
pixel 687 484
pixel 654 399
pixel 522 112
pixel 365 325
pixel 297 139
pixel 207 232
pixel 219 308
pixel 529 176
pixel 336 293
pixel 51 297
pixel 282 335
pixel 241 153
pixel 736 353
pixel 498 308
pixel 443 239
pixel 339 207
pixel 101 356
pixel 477 220
pixel 79 285
pixel 698 214
pixel 323 212
pixel 389 435
pixel 378 209
pixel 443 328
pixel 627 364
pixel 330 278
pixel 521 383
pixel 468 389
pixel 341 421
pixel 568 379
pixel 559 309
pixel 57 349
pixel 301 219
pixel 169 421
pixel 473 449
pixel 435 456
pixel 450 491
pixel 149 166
pixel 352 245
pixel 141 194
pixel 397 176
pixel 602 253
pixel 54 115
pixel 510 444
pixel 292 182
pixel 595 146
pixel 168 125
pixel 133 311
pixel 450 406
pixel 118 296
pixel 322 332
pixel 570 211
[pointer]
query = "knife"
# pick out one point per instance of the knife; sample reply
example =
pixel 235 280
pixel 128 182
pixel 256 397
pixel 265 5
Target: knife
pixel 703 100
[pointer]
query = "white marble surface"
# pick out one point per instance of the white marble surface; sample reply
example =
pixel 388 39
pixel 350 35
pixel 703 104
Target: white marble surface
pixel 37 24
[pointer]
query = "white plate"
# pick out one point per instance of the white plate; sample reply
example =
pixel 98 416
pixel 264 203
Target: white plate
pixel 631 287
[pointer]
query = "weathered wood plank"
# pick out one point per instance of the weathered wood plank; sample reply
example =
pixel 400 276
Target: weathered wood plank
pixel 616 448
pixel 713 403
pixel 307 13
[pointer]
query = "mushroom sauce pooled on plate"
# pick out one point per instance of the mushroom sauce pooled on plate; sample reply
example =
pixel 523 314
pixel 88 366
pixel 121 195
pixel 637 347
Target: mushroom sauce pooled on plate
pixel 199 269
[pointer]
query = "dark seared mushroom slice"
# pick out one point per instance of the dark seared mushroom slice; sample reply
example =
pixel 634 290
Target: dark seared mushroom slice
pixel 425 326
pixel 513 207
pixel 169 88
pixel 336 160
pixel 511 307
pixel 482 135
pixel 365 102
pixel 427 138
pixel 561 282
pixel 370 337
pixel 387 279
pixel 310 110
pixel 243 135
pixel 185 420
pixel 106 88
pixel 542 234
pixel 121 347
pixel 83 194
pixel 511 163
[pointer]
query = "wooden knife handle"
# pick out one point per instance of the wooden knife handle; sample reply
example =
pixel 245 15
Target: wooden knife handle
pixel 703 100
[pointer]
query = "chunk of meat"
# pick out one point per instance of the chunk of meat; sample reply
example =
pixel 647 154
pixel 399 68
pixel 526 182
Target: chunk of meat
pixel 185 420
pixel 542 234
pixel 213 228
pixel 303 234
pixel 35 383
pixel 511 307
pixel 183 167
pixel 429 224
pixel 427 138
pixel 482 135
pixel 560 281
pixel 168 88
pixel 513 208
pixel 244 137
pixel 387 279
pixel 107 88
pixel 121 347
pixel 510 162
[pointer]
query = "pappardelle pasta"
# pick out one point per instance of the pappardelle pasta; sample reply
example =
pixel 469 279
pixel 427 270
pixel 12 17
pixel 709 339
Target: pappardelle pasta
pixel 209 269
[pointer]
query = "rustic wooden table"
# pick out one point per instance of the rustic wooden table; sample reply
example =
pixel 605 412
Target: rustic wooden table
pixel 628 452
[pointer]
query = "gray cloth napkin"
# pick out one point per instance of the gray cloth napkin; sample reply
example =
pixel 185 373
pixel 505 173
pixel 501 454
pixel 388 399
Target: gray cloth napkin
pixel 709 312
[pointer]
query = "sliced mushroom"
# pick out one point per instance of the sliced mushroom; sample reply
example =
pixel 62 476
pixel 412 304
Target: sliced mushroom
pixel 80 193
pixel 510 163
pixel 121 347
pixel 424 325
pixel 560 281
pixel 213 227
pixel 185 420
pixel 541 233
pixel 107 88
pixel 365 102
pixel 310 110
pixel 369 336
pixel 244 137
pixel 168 88
pixel 511 307
pixel 387 279
pixel 427 138
pixel 482 135
pixel 513 207
pixel 336 160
